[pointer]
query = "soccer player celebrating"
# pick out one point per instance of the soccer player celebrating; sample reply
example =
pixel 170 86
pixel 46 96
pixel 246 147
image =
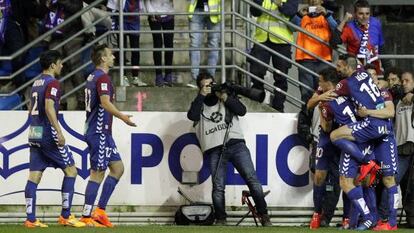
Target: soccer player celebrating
pixel 359 87
pixel 47 143
pixel 326 152
pixel 99 95
pixel 338 112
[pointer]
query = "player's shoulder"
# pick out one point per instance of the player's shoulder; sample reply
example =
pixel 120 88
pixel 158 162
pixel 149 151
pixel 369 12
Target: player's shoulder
pixel 385 93
pixel 342 84
pixel 326 109
pixel 319 90
pixel 103 77
pixel 97 75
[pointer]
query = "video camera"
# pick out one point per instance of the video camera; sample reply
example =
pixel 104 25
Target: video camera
pixel 397 91
pixel 234 89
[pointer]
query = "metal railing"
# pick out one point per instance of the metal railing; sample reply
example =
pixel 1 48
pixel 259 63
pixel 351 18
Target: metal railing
pixel 231 17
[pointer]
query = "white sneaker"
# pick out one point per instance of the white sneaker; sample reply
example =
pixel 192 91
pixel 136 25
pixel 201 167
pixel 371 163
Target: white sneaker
pixel 138 82
pixel 192 84
pixel 126 82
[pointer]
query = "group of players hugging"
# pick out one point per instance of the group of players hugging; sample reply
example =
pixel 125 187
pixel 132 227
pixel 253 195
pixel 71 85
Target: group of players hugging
pixel 355 123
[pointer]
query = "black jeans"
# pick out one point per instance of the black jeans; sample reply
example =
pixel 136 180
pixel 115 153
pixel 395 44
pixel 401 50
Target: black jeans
pixel 278 63
pixel 158 39
pixel 239 155
pixel 134 44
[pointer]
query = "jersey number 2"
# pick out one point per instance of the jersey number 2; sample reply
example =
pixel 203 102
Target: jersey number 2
pixel 35 111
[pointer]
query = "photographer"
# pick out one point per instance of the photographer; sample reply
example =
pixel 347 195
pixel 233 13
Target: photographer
pixel 393 77
pixel 404 132
pixel 215 117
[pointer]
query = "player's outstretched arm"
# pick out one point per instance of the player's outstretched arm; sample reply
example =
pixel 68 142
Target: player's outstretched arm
pixel 385 113
pixel 109 107
pixel 51 115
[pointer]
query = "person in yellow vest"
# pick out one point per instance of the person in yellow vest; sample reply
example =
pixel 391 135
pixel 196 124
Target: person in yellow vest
pixel 285 9
pixel 318 21
pixel 201 22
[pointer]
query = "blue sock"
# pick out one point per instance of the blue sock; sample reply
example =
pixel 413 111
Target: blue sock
pixel 356 197
pixel 347 205
pixel 67 195
pixel 371 200
pixel 318 195
pixel 350 148
pixel 393 200
pixel 353 216
pixel 108 188
pixel 30 195
pixel 90 195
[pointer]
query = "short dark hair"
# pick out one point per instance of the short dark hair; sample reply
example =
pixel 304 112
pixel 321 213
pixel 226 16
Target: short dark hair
pixel 344 56
pixel 408 72
pixel 350 60
pixel 202 76
pixel 393 70
pixel 370 66
pixel 330 75
pixel 361 4
pixel 97 53
pixel 49 57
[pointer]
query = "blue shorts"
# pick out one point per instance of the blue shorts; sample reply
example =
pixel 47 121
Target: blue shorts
pixel 386 154
pixel 47 154
pixel 102 150
pixel 325 152
pixel 349 167
pixel 370 128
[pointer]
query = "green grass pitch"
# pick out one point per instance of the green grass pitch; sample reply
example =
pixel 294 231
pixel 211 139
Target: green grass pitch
pixel 171 229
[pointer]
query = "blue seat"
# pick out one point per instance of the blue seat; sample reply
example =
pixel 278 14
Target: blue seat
pixel 31 55
pixel 5 68
pixel 9 102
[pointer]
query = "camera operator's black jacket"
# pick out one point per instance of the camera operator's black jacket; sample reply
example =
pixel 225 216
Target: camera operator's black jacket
pixel 232 103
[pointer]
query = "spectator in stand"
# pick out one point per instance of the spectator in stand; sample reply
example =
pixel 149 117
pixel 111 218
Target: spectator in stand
pixel 162 22
pixel 286 9
pixel 131 23
pixel 91 16
pixel 14 20
pixel 210 21
pixel 363 36
pixel 59 11
pixel 316 20
pixel 393 77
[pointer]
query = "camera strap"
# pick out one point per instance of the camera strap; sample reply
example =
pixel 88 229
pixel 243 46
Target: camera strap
pixel 226 135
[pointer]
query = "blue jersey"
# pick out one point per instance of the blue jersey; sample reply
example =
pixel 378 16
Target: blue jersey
pixel 132 6
pixel 46 87
pixel 340 110
pixel 97 119
pixel 361 89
